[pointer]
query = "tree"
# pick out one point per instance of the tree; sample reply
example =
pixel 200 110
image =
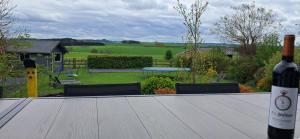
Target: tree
pixel 192 22
pixel 9 63
pixel 168 55
pixel 269 45
pixel 5 22
pixel 247 25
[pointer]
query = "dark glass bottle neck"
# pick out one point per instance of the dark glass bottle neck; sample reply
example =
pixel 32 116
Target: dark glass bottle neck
pixel 288 58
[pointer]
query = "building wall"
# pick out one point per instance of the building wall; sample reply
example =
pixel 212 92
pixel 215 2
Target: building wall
pixel 57 66
pixel 48 61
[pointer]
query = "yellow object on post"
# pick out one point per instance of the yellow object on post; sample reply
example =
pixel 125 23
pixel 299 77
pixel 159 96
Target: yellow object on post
pixel 31 73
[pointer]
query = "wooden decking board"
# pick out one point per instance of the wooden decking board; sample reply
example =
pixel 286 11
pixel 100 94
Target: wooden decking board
pixel 242 107
pixel 8 107
pixel 263 101
pixel 242 122
pixel 205 124
pixel 4 104
pixel 77 119
pixel 11 112
pixel 118 121
pixel 160 123
pixel 226 116
pixel 33 121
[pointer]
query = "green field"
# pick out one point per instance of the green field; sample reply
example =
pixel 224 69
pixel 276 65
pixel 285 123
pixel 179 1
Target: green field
pixel 118 49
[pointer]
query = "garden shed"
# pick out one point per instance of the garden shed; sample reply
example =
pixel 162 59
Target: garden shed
pixel 45 52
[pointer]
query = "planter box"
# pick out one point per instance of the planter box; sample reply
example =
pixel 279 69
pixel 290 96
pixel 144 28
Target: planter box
pixel 1 91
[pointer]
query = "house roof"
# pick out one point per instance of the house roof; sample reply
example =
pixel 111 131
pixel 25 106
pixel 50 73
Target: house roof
pixel 37 46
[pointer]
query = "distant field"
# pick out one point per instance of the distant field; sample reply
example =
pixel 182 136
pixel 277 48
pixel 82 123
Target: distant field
pixel 144 49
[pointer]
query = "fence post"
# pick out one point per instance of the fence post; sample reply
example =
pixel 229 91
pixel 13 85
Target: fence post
pixel 74 63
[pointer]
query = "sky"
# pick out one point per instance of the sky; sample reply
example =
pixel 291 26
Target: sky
pixel 143 20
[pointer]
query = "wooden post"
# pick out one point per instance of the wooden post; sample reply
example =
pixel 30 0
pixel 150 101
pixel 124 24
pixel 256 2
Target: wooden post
pixel 31 73
pixel 74 63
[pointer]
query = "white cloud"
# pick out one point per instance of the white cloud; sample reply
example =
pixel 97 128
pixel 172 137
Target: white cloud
pixel 145 20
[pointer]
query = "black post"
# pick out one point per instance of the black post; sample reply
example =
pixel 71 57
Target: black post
pixel 1 91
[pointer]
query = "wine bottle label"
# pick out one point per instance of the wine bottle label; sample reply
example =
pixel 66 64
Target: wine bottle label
pixel 283 107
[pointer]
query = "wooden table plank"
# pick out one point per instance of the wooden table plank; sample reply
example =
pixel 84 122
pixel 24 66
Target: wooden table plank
pixel 33 121
pixel 160 123
pixel 77 119
pixel 203 123
pixel 117 120
pixel 249 109
pixel 5 103
pixel 248 125
pixel 262 101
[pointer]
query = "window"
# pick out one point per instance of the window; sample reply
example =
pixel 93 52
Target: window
pixel 24 56
pixel 57 57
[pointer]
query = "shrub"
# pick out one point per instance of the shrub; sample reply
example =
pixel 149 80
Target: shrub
pixel 172 77
pixel 165 91
pixel 153 83
pixel 266 82
pixel 94 51
pixel 118 62
pixel 242 69
pixel 245 89
pixel 214 58
pixel 265 52
pixel 211 72
pixel 168 55
pixel 182 61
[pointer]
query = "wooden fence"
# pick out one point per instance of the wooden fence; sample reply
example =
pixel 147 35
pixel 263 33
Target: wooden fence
pixel 162 63
pixel 75 63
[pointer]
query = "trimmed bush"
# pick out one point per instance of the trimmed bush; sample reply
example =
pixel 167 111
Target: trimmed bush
pixel 168 55
pixel 94 51
pixel 118 62
pixel 154 83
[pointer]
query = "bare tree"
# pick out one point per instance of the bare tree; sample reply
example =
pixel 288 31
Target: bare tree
pixel 192 22
pixel 247 25
pixel 7 60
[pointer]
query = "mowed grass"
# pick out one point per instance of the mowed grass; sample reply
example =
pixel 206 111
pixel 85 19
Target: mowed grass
pixel 109 78
pixel 118 49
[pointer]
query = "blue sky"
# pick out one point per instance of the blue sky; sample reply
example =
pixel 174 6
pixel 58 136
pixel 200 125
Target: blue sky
pixel 144 20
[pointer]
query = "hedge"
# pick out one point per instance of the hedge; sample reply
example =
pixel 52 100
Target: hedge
pixel 118 62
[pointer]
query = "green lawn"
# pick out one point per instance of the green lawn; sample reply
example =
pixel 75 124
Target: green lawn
pixel 118 49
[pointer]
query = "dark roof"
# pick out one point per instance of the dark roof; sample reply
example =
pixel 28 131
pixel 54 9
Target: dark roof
pixel 37 46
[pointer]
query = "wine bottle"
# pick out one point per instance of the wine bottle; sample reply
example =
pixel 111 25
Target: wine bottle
pixel 284 94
